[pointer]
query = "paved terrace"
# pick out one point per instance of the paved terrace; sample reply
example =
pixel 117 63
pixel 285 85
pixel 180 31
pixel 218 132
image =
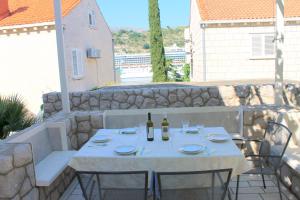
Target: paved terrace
pixel 19 163
pixel 250 189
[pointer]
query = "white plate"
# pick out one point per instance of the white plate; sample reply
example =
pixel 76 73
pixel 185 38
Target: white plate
pixel 101 139
pixel 218 137
pixel 128 131
pixel 192 148
pixel 125 150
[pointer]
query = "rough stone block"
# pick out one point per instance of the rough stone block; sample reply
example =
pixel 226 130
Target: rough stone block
pixel 104 105
pixel 181 95
pixel 94 101
pixel 198 102
pixel 120 96
pixel 148 93
pixel 131 99
pixel 6 163
pixel 161 100
pixel 30 173
pixel 286 175
pixel 82 138
pixel 172 98
pixel 52 98
pixel 149 103
pixel 97 121
pixel 139 101
pixel 32 195
pixel 84 126
pixel 76 101
pixel 115 105
pixel 26 187
pixel 22 155
pixel 13 182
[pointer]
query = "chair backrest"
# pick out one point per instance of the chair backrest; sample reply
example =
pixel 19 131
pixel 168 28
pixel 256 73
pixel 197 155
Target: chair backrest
pixel 131 184
pixel 276 140
pixel 206 185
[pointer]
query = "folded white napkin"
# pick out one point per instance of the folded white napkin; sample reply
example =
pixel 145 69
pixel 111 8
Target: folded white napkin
pixel 128 131
pixel 191 130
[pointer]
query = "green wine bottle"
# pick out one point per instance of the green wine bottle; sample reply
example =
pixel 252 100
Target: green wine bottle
pixel 150 128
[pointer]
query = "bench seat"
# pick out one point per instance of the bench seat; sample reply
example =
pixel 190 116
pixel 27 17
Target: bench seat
pixel 48 169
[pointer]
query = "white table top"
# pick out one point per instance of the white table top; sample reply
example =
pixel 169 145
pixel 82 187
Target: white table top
pixel 160 155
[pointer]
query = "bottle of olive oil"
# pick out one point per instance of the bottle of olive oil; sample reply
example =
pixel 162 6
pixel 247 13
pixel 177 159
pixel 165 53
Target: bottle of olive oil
pixel 165 129
pixel 150 128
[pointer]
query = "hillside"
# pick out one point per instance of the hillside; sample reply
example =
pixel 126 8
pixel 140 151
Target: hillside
pixel 130 41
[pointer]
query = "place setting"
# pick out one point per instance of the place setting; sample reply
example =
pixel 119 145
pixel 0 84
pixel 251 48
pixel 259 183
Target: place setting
pixel 192 149
pixel 218 137
pixel 128 131
pixel 100 140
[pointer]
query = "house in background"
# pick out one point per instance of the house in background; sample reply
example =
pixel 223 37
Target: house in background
pixel 235 39
pixel 29 64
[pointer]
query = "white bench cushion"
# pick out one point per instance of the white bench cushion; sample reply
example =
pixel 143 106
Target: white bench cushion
pixel 48 169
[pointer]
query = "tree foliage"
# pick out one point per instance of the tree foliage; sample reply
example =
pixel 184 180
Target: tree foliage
pixel 158 60
pixel 186 72
pixel 13 115
pixel 127 42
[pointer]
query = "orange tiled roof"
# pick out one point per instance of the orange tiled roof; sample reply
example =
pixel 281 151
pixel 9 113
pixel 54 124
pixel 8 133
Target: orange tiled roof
pixel 34 11
pixel 244 9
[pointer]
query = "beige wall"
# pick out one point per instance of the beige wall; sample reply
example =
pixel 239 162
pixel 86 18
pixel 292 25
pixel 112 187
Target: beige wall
pixel 28 65
pixel 229 49
pixel 79 35
pixel 196 43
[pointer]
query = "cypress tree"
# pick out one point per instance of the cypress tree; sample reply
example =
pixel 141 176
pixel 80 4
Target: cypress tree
pixel 158 59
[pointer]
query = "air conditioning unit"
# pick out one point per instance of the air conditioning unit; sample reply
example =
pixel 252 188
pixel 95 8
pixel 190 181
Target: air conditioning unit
pixel 93 53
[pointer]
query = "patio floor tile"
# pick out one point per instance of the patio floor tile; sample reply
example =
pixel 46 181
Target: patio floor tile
pixel 250 189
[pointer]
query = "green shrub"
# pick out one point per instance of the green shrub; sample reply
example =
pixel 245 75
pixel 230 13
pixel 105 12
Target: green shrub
pixel 14 116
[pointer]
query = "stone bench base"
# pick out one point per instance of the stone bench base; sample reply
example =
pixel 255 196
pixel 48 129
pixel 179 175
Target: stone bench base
pixel 58 187
pixel 291 179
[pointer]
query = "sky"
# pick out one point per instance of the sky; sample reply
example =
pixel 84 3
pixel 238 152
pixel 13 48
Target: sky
pixel 134 13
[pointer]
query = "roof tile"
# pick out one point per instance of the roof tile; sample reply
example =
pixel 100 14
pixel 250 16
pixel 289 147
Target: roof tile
pixel 244 9
pixel 34 11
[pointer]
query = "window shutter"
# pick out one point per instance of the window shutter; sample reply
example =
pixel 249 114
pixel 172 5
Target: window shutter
pixel 94 18
pixel 75 63
pixel 257 45
pixel 269 45
pixel 80 62
pixel 78 67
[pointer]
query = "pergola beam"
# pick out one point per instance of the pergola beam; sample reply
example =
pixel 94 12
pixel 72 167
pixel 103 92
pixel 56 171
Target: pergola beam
pixel 279 41
pixel 61 57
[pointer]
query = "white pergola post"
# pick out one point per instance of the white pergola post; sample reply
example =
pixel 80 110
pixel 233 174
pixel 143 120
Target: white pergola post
pixel 61 57
pixel 279 39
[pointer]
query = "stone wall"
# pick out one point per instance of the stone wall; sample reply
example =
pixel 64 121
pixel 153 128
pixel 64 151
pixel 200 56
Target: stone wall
pixel 16 165
pixel 58 187
pixel 81 126
pixel 17 177
pixel 163 96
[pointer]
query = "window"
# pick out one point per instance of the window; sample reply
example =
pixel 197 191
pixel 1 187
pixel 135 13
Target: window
pixel 77 63
pixel 92 19
pixel 263 46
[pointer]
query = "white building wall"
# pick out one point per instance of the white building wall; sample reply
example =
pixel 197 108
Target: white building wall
pixel 78 34
pixel 229 52
pixel 28 65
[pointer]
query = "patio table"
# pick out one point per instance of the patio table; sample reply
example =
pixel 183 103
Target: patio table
pixel 159 155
